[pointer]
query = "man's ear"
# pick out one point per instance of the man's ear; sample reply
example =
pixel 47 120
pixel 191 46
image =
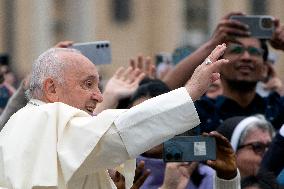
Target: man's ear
pixel 50 90
pixel 264 72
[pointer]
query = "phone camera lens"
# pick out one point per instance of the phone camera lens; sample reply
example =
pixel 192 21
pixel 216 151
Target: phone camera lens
pixel 266 23
pixel 98 46
pixel 169 156
pixel 106 45
pixel 177 156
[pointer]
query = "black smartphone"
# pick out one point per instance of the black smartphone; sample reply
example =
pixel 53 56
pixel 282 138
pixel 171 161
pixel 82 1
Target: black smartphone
pixel 189 148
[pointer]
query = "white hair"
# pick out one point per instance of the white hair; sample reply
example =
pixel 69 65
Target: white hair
pixel 261 124
pixel 47 65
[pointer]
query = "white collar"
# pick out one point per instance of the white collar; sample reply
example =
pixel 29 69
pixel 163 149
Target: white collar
pixel 36 102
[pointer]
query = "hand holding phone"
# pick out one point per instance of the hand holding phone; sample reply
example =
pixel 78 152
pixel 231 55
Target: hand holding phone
pixel 260 26
pixel 99 52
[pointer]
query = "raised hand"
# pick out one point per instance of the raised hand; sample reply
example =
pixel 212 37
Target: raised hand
pixel 177 175
pixel 206 73
pixel 145 65
pixel 225 164
pixel 227 29
pixel 123 84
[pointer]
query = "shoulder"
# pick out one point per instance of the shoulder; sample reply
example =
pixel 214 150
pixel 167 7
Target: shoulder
pixel 210 105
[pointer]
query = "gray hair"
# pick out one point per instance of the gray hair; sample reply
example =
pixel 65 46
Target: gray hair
pixel 261 124
pixel 47 65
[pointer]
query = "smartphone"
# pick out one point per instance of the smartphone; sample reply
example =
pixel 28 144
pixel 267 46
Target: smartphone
pixel 189 148
pixel 98 52
pixel 260 26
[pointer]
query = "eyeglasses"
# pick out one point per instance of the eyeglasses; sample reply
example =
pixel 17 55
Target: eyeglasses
pixel 238 49
pixel 257 147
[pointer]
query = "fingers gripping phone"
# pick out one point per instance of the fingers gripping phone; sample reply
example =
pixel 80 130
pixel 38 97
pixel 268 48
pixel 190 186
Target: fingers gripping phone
pixel 260 26
pixel 189 148
pixel 98 52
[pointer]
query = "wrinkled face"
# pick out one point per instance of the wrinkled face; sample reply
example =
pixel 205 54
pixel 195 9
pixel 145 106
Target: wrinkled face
pixel 246 57
pixel 250 154
pixel 81 86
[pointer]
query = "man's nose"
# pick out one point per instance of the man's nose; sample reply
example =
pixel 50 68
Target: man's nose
pixel 97 95
pixel 246 55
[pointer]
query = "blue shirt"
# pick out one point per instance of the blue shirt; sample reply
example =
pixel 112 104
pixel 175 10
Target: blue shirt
pixel 4 96
pixel 212 112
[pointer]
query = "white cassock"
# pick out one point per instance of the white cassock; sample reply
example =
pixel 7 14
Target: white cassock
pixel 57 146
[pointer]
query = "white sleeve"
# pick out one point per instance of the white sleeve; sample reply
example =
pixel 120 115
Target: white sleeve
pixel 234 183
pixel 156 120
pixel 281 131
pixel 107 142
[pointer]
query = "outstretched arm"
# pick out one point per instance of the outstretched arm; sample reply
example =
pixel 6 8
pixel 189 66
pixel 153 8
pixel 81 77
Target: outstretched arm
pixel 131 132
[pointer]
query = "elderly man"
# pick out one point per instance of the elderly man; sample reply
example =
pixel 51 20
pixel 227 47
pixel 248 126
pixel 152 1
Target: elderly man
pixel 53 142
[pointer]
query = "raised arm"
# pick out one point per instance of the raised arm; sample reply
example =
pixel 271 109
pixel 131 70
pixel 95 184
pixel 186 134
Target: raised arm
pixel 125 81
pixel 129 133
pixel 199 81
pixel 223 33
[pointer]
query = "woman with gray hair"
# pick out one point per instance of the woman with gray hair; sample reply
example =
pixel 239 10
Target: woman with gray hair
pixel 250 137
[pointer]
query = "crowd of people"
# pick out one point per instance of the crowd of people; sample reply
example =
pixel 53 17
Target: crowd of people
pixel 59 130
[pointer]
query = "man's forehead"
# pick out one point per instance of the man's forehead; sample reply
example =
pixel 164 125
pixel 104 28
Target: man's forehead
pixel 74 57
pixel 77 63
pixel 69 55
pixel 262 134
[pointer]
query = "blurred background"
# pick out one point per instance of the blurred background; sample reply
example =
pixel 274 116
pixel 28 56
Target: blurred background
pixel 148 27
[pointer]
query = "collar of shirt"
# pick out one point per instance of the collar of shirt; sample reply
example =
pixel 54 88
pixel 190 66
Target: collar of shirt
pixel 36 102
